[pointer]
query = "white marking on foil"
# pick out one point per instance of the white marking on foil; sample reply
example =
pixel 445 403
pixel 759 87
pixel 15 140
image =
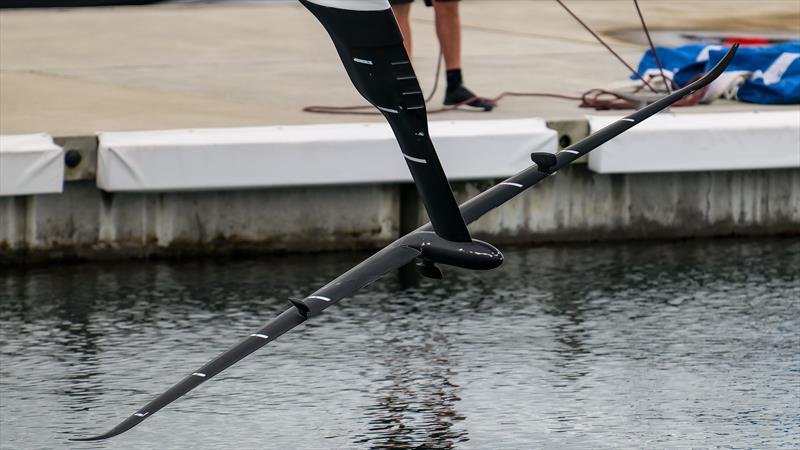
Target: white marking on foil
pixel 320 297
pixel 508 183
pixel 419 160
pixel 399 63
pixel 421 134
pixel 628 120
pixel 412 93
pixel 393 111
pixel 262 336
pixel 406 78
pixel 198 374
pixel 572 151
pixel 141 414
pixel 415 107
pixel 363 61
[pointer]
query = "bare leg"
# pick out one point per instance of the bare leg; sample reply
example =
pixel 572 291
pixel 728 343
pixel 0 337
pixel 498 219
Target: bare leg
pixel 402 13
pixel 448 29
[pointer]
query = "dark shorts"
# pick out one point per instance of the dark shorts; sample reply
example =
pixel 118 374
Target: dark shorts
pixel 427 2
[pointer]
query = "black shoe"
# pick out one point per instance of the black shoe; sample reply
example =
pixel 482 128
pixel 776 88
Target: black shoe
pixel 462 94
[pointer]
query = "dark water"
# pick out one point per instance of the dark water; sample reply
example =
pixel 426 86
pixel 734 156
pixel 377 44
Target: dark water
pixel 619 345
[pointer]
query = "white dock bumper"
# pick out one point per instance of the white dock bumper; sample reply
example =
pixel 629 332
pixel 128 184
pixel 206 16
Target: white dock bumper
pixel 693 142
pixel 30 164
pixel 309 155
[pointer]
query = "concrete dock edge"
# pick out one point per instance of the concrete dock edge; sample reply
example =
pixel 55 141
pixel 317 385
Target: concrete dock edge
pixel 85 222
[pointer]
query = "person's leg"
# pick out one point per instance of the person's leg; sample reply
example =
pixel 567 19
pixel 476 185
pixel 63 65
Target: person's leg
pixel 448 30
pixel 402 12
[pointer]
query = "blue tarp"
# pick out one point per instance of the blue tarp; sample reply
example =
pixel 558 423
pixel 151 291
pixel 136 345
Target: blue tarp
pixel 774 69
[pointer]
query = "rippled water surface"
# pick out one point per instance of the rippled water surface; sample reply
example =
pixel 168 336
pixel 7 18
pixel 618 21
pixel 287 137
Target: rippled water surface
pixel 642 344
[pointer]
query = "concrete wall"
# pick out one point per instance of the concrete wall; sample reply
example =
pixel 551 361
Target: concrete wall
pixel 576 204
pixel 85 222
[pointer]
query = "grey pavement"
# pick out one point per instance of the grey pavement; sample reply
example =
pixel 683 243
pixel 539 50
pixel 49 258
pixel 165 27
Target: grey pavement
pixel 190 65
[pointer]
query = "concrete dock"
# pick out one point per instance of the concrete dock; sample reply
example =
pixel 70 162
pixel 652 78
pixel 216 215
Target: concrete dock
pixel 71 73
pixel 78 71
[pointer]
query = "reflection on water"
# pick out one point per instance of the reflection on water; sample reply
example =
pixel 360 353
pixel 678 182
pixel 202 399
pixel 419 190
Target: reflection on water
pixel 414 405
pixel 641 344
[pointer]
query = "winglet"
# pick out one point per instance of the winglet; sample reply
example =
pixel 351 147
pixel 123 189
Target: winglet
pixel 544 161
pixel 428 269
pixel 126 425
pixel 301 307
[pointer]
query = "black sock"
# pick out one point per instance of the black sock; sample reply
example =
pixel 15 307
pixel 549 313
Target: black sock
pixel 454 79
